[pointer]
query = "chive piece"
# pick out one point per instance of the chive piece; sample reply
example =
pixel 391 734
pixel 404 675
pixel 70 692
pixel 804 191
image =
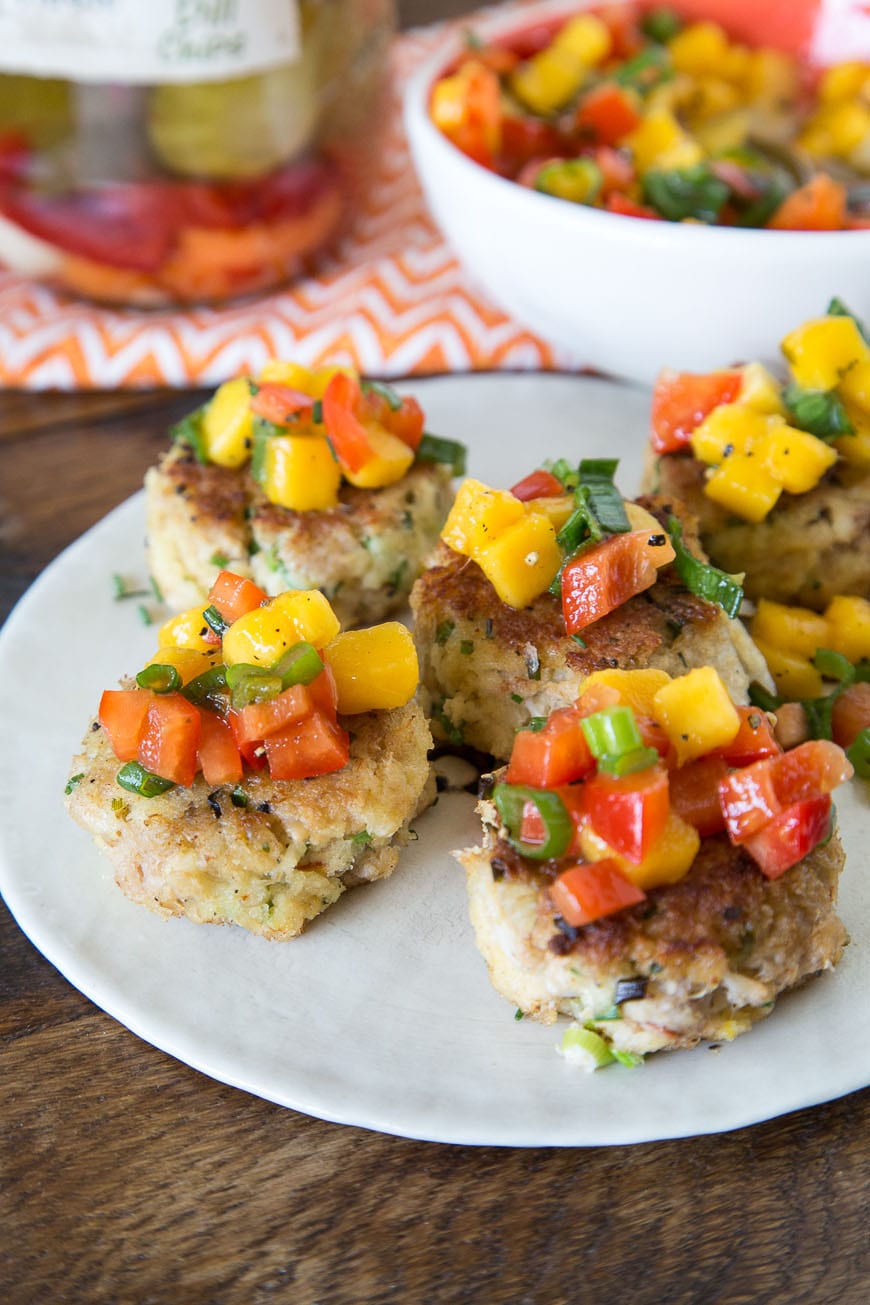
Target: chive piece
pixel 606 1016
pixel 444 631
pixel 219 560
pixel 239 797
pixel 858 753
pixel 585 1048
pixel 215 621
pixel 317 412
pixel 516 697
pixel 703 579
pixel 209 690
pixel 612 733
pixel 510 802
pixel 519 1014
pixel 144 615
pixel 628 763
pixel 73 781
pixel 645 70
pixel 578 639
pixel 136 779
pixel 189 431
pixel 535 723
pixel 466 647
pixel 385 391
pixel 833 665
pixel 299 665
pixel 821 412
pixel 432 448
pixel 836 308
pixel 263 432
pixel 121 590
pixel 159 677
pixel 361 839
pixel 661 25
pixel 693 192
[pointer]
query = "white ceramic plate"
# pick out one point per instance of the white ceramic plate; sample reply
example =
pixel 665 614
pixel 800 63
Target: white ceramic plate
pixel 381 1014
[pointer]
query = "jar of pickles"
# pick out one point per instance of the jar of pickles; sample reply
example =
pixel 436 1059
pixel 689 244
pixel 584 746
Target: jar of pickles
pixel 182 151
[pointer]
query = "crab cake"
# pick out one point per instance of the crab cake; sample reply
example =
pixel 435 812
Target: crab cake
pixel 809 548
pixel 268 855
pixel 364 553
pixel 489 668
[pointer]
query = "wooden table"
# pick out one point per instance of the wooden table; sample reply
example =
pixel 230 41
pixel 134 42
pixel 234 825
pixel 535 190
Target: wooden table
pixel 129 1178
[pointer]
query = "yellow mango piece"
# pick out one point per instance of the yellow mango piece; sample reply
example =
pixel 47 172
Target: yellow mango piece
pixel 771 77
pixel 660 142
pixel 844 81
pixel 794 675
pixel 713 97
pixel 795 458
pixel 549 79
pixel 699 48
pixel 478 516
pixel 796 629
pixel 189 662
pixel 636 689
pixel 300 473
pixel 823 350
pixel 668 860
pixel 848 620
pixel 696 713
pixel 848 126
pixel 375 669
pixel 855 449
pixel 730 428
pixel 522 560
pixel 227 424
pixel 262 636
pixel 855 386
pixel 587 37
pixel 744 486
pixel 186 630
pixel 308 380
pixel 557 509
pixel 392 459
pixel 760 390
pixel 726 131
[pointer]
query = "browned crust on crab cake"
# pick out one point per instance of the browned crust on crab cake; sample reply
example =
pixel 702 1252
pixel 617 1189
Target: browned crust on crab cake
pixel 715 949
pixel 363 554
pixel 488 668
pixel 275 864
pixel 807 549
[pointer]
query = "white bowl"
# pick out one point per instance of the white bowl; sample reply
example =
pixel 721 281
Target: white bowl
pixel 625 295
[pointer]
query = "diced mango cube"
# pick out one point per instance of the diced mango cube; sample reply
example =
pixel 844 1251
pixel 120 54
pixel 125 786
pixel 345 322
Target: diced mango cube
pixel 586 36
pixel 843 81
pixel 668 860
pixel 848 620
pixel 794 675
pixel 795 458
pixel 696 713
pixel 699 48
pixel 189 662
pixel 550 78
pixel 727 131
pixel 743 485
pixel 855 386
pixel 660 142
pixel 186 630
pixel 771 77
pixel 478 516
pixel 310 613
pixel 375 669
pixel 713 97
pixel 823 350
pixel 392 459
pixel 308 380
pixel 855 448
pixel 760 390
pixel 227 424
pixel 636 689
pixel 796 629
pixel 300 473
pixel 730 428
pixel 557 509
pixel 262 636
pixel 522 560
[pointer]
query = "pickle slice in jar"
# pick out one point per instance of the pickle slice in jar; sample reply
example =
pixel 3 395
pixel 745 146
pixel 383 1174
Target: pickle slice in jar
pixel 231 130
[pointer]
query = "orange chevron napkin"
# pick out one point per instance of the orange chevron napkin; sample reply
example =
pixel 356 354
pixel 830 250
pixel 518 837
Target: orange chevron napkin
pixel 393 301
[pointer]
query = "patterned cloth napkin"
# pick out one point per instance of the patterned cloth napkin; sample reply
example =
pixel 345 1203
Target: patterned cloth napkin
pixel 393 301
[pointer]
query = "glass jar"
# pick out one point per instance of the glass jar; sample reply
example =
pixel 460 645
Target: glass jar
pixel 183 151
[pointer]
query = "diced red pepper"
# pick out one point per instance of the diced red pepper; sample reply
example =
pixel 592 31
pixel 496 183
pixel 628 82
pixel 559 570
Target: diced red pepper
pixel 279 404
pixel 623 23
pixel 749 800
pixel 681 401
pixel 122 714
pixel 405 422
pixel 524 139
pixel 324 693
pixel 790 836
pixel 234 596
pixel 629 813
pixel 219 757
pixel 627 207
pixel 472 119
pixel 653 735
pixel 617 171
pixel 753 740
pixel 257 721
pixel 538 484
pixel 809 770
pixel 585 893
pixel 554 755
pixel 851 714
pixel 820 205
pixel 604 577
pixel 170 739
pixel 695 794
pixel 349 437
pixel 313 746
pixel 606 115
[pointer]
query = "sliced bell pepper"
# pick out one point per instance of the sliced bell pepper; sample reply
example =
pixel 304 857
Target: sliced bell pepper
pixel 630 813
pixel 585 893
pixel 790 836
pixel 681 401
pixel 557 754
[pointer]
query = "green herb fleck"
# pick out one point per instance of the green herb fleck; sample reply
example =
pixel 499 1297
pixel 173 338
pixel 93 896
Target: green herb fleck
pixel 444 631
pixel 466 647
pixel 73 781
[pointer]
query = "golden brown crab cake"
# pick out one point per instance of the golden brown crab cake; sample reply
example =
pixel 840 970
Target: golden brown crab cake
pixel 489 668
pixel 364 554
pixel 703 958
pixel 807 549
pixel 268 855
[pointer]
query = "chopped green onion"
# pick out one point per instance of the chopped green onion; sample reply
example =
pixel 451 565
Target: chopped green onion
pixel 239 797
pixel 73 782
pixel 432 448
pixel 209 690
pixel 385 391
pixel 136 779
pixel 534 723
pixel 159 678
pixel 466 647
pixel 563 471
pixel 299 665
pixel 628 763
pixel 612 733
pixel 317 414
pixel 263 431
pixel 585 1048
pixel 661 25
pixel 189 431
pixel 510 801
pixel 444 631
pixel 144 615
pixel 761 697
pixel 703 579
pixel 692 192
pixel 215 621
pixel 833 665
pixel 646 69
pixel 836 308
pixel 219 560
pixel 250 684
pixel 361 839
pixel 630 1059
pixel 121 590
pixel 858 753
pixel 821 412
pixel 604 499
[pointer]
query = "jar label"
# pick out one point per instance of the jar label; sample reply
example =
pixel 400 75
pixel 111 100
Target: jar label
pixel 147 41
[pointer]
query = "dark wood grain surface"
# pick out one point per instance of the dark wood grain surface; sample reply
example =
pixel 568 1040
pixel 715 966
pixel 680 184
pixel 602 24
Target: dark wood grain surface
pixel 126 1177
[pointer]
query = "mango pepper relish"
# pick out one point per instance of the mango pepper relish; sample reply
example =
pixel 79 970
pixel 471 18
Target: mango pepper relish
pixel 629 109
